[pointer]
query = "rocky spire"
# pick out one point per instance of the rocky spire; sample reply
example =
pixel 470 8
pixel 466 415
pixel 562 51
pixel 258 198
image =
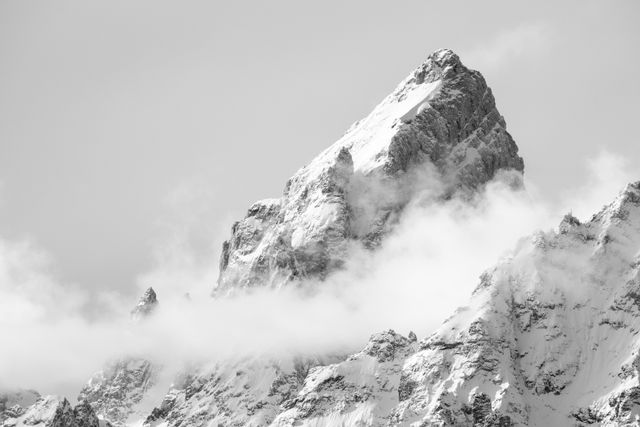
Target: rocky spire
pixel 146 304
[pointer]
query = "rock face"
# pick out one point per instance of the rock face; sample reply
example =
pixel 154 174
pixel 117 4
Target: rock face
pixel 244 392
pixel 114 392
pixel 344 393
pixel 439 130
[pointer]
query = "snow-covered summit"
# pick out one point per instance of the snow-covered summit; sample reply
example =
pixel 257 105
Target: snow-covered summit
pixel 438 130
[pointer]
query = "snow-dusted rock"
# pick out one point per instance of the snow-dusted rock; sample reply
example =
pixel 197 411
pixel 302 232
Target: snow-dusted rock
pixel 362 390
pixel 146 305
pixel 115 391
pixel 52 411
pixel 244 392
pixel 439 130
pixel 14 403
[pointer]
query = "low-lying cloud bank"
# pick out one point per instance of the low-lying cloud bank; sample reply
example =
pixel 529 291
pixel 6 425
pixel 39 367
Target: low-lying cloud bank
pixel 425 269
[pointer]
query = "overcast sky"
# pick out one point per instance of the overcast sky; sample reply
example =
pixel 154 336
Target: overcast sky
pixel 118 117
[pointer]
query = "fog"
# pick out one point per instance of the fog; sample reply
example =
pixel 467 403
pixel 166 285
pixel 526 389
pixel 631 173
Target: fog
pixel 55 335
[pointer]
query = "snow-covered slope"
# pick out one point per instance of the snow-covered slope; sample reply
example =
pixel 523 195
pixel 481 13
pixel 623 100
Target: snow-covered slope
pixel 438 128
pixel 548 338
pixel 115 391
pixel 249 391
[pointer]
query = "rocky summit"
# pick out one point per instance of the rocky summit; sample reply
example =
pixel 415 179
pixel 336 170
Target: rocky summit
pixel 147 303
pixel 547 338
pixel 438 130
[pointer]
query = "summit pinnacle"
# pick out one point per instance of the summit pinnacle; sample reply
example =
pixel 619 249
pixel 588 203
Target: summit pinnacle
pixel 146 304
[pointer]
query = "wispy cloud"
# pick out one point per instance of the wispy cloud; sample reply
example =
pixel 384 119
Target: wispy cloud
pixel 526 39
pixel 607 175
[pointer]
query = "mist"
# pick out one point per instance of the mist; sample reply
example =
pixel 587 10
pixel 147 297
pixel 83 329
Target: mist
pixel 55 335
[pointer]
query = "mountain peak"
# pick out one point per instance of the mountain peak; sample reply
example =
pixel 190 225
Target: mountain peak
pixel 443 60
pixel 441 121
pixel 146 304
pixel 444 56
pixel 627 200
pixel 442 64
pixel 149 296
pixel 632 192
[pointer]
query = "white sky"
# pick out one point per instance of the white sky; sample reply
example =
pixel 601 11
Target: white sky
pixel 117 117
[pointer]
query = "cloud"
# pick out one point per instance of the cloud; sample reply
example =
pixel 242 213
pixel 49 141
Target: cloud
pixel 27 288
pixel 187 244
pixel 42 323
pixel 423 271
pixel 607 174
pixel 521 41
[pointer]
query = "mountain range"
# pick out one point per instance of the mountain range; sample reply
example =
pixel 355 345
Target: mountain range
pixel 547 338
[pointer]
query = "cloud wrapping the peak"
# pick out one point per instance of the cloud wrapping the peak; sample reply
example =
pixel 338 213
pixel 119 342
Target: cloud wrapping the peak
pixel 424 269
pixel 607 174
